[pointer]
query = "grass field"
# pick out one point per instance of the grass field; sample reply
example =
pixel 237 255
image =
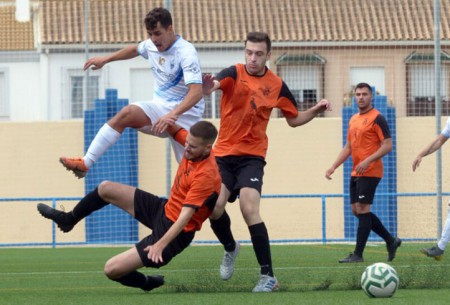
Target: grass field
pixel 308 274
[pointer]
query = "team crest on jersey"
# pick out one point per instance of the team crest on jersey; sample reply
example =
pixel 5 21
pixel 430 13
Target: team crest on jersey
pixel 161 61
pixel 265 91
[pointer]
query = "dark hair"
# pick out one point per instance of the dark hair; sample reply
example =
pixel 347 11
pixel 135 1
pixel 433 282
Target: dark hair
pixel 259 37
pixel 156 15
pixel 205 130
pixel 364 85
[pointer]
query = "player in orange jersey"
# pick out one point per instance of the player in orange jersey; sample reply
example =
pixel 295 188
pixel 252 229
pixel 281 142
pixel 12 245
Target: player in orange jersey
pixel 173 221
pixel 249 93
pixel 368 140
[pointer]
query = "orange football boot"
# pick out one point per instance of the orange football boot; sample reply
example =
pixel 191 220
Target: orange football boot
pixel 76 165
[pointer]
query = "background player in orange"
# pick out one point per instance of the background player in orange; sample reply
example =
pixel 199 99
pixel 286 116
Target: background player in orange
pixel 173 221
pixel 250 92
pixel 368 140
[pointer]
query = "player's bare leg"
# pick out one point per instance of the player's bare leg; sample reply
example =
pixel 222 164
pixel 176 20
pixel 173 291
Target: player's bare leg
pixel 130 116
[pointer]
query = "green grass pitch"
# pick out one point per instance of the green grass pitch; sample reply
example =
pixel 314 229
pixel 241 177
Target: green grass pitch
pixel 308 274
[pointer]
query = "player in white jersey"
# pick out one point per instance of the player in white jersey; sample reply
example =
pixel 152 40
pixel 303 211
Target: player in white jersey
pixel 177 91
pixel 436 251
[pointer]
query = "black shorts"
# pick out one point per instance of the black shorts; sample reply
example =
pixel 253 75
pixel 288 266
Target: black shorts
pixel 241 171
pixel 149 210
pixel 362 189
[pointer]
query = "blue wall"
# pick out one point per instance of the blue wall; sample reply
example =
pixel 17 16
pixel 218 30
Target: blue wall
pixel 384 206
pixel 118 164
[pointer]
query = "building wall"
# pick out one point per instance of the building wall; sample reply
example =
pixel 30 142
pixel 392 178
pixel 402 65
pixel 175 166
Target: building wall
pixel 296 163
pixel 47 81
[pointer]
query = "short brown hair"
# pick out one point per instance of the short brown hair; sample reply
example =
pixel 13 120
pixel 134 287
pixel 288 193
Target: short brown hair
pixel 204 130
pixel 259 37
pixel 363 85
pixel 156 15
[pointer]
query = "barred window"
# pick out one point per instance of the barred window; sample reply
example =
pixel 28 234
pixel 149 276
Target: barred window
pixel 420 82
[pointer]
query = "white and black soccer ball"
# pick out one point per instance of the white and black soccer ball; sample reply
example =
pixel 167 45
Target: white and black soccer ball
pixel 380 280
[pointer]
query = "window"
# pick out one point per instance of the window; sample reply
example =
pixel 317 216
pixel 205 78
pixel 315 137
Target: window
pixel 421 90
pixel 4 95
pixel 73 105
pixel 420 82
pixel 374 76
pixel 304 75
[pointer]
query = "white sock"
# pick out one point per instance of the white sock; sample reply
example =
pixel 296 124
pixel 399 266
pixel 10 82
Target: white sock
pixel 445 235
pixel 104 139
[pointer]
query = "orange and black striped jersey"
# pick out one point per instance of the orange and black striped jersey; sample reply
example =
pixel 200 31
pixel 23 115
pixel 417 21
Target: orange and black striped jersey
pixel 246 104
pixel 365 133
pixel 197 185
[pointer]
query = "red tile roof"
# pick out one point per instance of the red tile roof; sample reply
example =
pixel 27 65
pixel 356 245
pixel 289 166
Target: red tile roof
pixel 61 22
pixel 14 35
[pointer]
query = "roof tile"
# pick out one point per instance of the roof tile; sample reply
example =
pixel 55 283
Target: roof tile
pixel 14 35
pixel 211 21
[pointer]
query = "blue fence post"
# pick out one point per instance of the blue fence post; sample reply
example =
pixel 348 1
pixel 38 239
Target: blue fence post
pixel 324 219
pixel 53 226
pixel 118 164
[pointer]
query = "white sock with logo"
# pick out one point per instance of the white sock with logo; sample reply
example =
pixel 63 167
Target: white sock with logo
pixel 445 235
pixel 104 139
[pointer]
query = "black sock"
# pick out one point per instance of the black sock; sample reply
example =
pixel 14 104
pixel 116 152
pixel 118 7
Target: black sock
pixel 378 227
pixel 90 203
pixel 133 279
pixel 222 228
pixel 261 246
pixel 364 228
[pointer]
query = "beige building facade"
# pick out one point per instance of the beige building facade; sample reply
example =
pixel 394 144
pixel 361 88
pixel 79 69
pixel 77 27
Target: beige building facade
pixel 296 163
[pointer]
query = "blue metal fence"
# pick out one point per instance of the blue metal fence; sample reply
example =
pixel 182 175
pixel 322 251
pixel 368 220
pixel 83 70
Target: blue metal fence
pixel 133 238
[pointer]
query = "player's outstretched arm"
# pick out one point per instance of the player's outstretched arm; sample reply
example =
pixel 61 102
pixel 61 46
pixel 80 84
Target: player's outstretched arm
pixel 429 149
pixel 306 116
pixel 210 84
pixel 98 62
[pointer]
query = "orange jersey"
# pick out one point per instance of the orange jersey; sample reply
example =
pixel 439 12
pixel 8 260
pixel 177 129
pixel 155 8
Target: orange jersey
pixel 245 108
pixel 365 133
pixel 194 183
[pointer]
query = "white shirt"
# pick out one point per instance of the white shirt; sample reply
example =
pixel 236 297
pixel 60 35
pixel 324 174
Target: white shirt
pixel 173 69
pixel 446 131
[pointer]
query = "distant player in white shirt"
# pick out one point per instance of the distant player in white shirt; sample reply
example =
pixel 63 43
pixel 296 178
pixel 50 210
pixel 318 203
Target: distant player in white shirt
pixel 436 251
pixel 177 91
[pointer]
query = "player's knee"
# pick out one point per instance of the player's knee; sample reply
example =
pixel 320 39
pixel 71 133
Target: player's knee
pixel 110 270
pixel 218 210
pixel 251 216
pixel 123 118
pixel 216 214
pixel 114 269
pixel 104 188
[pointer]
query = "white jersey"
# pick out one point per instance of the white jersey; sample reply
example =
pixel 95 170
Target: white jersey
pixel 446 131
pixel 173 69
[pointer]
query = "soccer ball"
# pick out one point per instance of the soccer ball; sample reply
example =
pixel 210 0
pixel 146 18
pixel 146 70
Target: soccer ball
pixel 379 280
